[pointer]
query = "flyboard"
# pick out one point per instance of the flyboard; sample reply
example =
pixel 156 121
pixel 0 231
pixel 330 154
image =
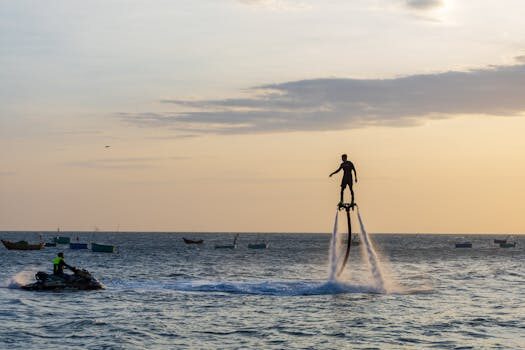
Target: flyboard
pixel 347 207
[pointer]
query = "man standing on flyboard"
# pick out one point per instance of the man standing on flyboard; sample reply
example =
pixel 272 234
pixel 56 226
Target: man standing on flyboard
pixel 347 167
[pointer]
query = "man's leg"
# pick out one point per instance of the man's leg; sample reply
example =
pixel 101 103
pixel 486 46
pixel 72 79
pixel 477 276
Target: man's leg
pixel 351 193
pixel 342 192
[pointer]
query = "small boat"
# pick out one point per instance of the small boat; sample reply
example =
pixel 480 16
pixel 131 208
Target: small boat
pixel 78 246
pixel 499 241
pixel 102 248
pixel 262 245
pixel 62 240
pixel 22 245
pixel 80 280
pixel 192 241
pixel 507 245
pixel 50 244
pixel 228 246
pixel 464 245
pixel 355 240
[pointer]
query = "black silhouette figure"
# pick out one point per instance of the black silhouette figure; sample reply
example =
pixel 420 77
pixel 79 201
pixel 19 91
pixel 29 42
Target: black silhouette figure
pixel 347 167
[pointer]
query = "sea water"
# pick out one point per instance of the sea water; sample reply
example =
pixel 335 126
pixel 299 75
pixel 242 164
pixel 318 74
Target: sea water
pixel 161 293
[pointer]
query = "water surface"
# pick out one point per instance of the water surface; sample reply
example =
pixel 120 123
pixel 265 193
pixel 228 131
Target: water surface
pixel 161 293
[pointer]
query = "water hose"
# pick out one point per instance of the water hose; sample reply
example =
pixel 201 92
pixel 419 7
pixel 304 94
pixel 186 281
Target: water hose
pixel 347 207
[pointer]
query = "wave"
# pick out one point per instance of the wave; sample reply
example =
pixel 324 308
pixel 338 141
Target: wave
pixel 276 288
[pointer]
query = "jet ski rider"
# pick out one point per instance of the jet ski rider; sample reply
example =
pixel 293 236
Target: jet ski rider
pixel 59 264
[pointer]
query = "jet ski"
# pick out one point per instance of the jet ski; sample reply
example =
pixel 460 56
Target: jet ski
pixel 80 280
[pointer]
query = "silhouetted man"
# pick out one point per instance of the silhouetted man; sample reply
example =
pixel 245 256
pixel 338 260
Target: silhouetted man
pixel 347 167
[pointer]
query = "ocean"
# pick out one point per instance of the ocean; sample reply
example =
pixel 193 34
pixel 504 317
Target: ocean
pixel 163 294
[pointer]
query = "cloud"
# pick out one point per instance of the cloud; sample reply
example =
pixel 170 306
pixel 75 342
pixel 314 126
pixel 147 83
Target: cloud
pixel 520 59
pixel 256 2
pixel 424 5
pixel 122 163
pixel 277 4
pixel 341 103
pixel 174 137
pixel 75 132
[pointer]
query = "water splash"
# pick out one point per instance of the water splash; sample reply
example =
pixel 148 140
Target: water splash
pixel 334 256
pixel 21 278
pixel 371 257
pixel 369 253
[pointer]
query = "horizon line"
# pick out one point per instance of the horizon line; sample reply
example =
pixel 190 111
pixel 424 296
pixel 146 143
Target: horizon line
pixel 261 232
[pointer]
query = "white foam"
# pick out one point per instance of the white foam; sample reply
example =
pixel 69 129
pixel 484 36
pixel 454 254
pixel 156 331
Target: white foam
pixel 21 278
pixel 371 257
pixel 369 253
pixel 334 252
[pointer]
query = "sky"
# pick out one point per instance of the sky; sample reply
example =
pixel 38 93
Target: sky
pixel 229 115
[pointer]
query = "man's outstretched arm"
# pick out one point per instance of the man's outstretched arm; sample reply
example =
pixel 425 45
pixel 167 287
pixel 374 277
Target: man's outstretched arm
pixel 67 266
pixel 338 170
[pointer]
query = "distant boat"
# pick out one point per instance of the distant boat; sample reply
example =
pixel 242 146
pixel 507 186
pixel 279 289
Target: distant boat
pixel 355 240
pixel 47 244
pixel 62 240
pixel 102 248
pixel 464 245
pixel 499 241
pixel 78 246
pixel 192 241
pixel 22 245
pixel 262 245
pixel 507 245
pixel 228 246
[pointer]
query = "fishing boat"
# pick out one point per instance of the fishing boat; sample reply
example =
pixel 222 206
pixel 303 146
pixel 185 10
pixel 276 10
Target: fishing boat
pixel 228 246
pixel 499 241
pixel 464 245
pixel 77 246
pixel 192 241
pixel 262 245
pixel 62 240
pixel 22 245
pixel 507 245
pixel 102 248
